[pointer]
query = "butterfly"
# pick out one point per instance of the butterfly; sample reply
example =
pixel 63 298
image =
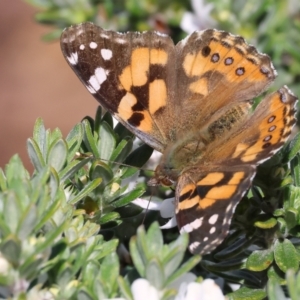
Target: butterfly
pixel 193 102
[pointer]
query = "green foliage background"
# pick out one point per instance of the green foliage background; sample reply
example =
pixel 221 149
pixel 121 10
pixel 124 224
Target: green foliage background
pixel 60 227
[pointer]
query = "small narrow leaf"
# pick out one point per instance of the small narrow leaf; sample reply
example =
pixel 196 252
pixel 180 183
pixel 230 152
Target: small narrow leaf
pixel 107 141
pixel 87 189
pixel 274 291
pixel 154 273
pixel 89 140
pixel 35 155
pixel 265 223
pixel 57 154
pixel 39 136
pixel 72 168
pixel 247 293
pixel 292 148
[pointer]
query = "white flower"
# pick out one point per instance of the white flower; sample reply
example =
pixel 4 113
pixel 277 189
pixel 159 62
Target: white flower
pixel 166 209
pixel 142 290
pixel 188 289
pixel 200 19
pixel 206 290
pixel 4 265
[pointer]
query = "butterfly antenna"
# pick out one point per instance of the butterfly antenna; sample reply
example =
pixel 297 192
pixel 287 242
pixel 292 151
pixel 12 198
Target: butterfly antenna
pixel 147 208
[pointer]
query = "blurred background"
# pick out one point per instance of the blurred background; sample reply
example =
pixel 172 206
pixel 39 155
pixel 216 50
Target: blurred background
pixel 35 81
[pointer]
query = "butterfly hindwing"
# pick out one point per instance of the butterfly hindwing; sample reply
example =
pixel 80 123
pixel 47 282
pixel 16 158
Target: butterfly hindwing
pixel 206 200
pixel 261 135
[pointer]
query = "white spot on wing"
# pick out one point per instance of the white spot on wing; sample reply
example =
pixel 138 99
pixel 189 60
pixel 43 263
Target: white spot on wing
pixel 96 80
pixel 193 246
pixel 212 230
pixel 81 47
pixel 106 54
pixel 192 226
pixel 205 239
pixel 120 41
pixel 213 219
pixel 73 59
pixel 93 45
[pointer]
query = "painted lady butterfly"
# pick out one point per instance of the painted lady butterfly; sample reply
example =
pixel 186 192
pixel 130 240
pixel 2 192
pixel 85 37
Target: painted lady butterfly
pixel 192 102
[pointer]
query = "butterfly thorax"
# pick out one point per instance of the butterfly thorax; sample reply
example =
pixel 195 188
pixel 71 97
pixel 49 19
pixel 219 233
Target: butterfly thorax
pixel 190 150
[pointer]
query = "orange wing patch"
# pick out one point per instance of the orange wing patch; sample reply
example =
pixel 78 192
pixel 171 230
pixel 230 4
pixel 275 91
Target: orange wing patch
pixel 276 116
pixel 136 75
pixel 213 187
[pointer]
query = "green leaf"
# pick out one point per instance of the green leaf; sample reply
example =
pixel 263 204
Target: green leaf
pixel 12 211
pixel 174 258
pixel 260 260
pixel 293 283
pixel 143 245
pixel 247 293
pixel 295 169
pixel 275 274
pixel 98 119
pixel 125 288
pixel 3 183
pixel 235 248
pixel 83 294
pixel 274 291
pixel 107 141
pixel 139 156
pixel 27 221
pixel 101 170
pixel 74 140
pixel 291 217
pixel 11 250
pixel 122 151
pixel 128 197
pixel 137 258
pixel 57 154
pixel 286 256
pixel 108 119
pixel 154 273
pixel 86 191
pixel 154 239
pixel 223 266
pixel 33 269
pixel 123 132
pixel 64 274
pixel 292 148
pixel 35 155
pixel 89 139
pixel 110 271
pixel 39 136
pixel 282 227
pixel 265 222
pixel 73 167
pixel 186 267
pixel 108 247
pixel 109 217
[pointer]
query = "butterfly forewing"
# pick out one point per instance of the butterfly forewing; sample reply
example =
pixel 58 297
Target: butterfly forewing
pixel 218 69
pixel 130 74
